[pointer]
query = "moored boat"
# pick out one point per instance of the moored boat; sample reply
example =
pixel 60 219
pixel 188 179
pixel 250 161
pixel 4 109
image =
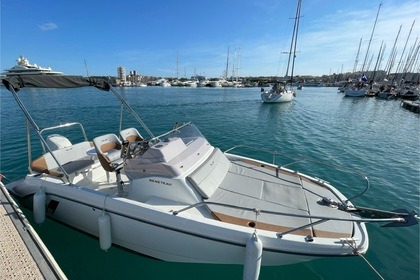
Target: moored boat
pixel 285 93
pixel 183 199
pixel 355 92
pixel 277 94
pixel 23 67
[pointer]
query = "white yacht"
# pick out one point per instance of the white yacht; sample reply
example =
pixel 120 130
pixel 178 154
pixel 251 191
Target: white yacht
pixel 23 67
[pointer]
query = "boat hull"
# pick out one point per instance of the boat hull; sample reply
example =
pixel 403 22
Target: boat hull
pixel 355 92
pixel 156 232
pixel 277 97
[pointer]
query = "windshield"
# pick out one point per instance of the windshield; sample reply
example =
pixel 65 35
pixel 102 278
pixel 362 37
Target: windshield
pixel 188 132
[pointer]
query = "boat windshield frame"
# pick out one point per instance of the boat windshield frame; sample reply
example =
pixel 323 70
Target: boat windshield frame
pixel 188 132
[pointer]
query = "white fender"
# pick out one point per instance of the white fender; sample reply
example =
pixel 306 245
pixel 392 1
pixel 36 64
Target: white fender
pixel 253 256
pixel 104 223
pixel 39 203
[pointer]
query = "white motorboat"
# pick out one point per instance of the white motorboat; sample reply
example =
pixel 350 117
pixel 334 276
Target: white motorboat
pixel 177 198
pixel 23 67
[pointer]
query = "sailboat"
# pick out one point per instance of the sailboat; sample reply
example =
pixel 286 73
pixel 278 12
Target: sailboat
pixel 280 93
pixel 361 88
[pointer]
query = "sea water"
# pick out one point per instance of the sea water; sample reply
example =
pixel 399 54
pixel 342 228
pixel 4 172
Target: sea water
pixel 375 137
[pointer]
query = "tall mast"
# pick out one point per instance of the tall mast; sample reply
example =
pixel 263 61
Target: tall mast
pixel 357 56
pixel 296 36
pixel 238 61
pixel 87 69
pixel 227 64
pixel 405 45
pixel 371 35
pixel 377 63
pixel 411 57
pixel 391 59
pixel 294 42
pixel 233 65
pixel 177 65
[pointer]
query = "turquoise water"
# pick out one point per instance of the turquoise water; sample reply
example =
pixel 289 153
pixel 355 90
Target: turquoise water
pixel 375 137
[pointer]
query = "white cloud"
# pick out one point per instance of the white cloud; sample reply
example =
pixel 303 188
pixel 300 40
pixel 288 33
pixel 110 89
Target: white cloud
pixel 48 26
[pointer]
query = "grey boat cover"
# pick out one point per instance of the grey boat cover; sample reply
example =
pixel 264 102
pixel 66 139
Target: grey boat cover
pixel 54 81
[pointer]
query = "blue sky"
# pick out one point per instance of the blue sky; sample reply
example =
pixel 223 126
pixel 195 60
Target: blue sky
pixel 148 36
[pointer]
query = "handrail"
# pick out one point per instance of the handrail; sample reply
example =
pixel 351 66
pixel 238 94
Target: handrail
pixel 301 159
pixel 398 217
pixel 61 125
pixel 259 211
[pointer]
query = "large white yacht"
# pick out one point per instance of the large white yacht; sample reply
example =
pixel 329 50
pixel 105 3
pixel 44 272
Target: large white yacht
pixel 23 67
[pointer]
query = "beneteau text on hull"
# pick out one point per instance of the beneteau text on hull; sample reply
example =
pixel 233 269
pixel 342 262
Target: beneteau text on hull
pixel 177 198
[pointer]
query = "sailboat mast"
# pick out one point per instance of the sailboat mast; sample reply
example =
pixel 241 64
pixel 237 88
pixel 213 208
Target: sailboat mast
pixel 227 64
pixel 357 56
pixel 292 51
pixel 391 59
pixel 411 57
pixel 87 69
pixel 381 49
pixel 371 35
pixel 296 36
pixel 405 45
pixel 177 66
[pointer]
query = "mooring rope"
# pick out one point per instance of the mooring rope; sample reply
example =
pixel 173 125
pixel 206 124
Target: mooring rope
pixel 356 251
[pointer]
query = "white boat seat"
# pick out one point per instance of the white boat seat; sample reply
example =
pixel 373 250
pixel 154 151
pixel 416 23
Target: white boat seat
pixel 77 165
pixel 131 135
pixel 57 141
pixel 72 159
pixel 108 148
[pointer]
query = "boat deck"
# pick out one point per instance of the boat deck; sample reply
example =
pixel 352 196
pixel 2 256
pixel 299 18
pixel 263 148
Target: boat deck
pixel 22 253
pixel 256 186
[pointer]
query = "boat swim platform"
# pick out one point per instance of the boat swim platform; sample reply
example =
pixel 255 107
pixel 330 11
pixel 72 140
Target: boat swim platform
pixel 23 255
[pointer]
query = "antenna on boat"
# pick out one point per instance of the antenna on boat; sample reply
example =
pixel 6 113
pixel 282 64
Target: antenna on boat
pixel 87 70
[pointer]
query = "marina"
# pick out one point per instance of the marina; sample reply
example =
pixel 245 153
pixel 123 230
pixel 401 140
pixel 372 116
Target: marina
pixel 182 101
pixel 257 141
